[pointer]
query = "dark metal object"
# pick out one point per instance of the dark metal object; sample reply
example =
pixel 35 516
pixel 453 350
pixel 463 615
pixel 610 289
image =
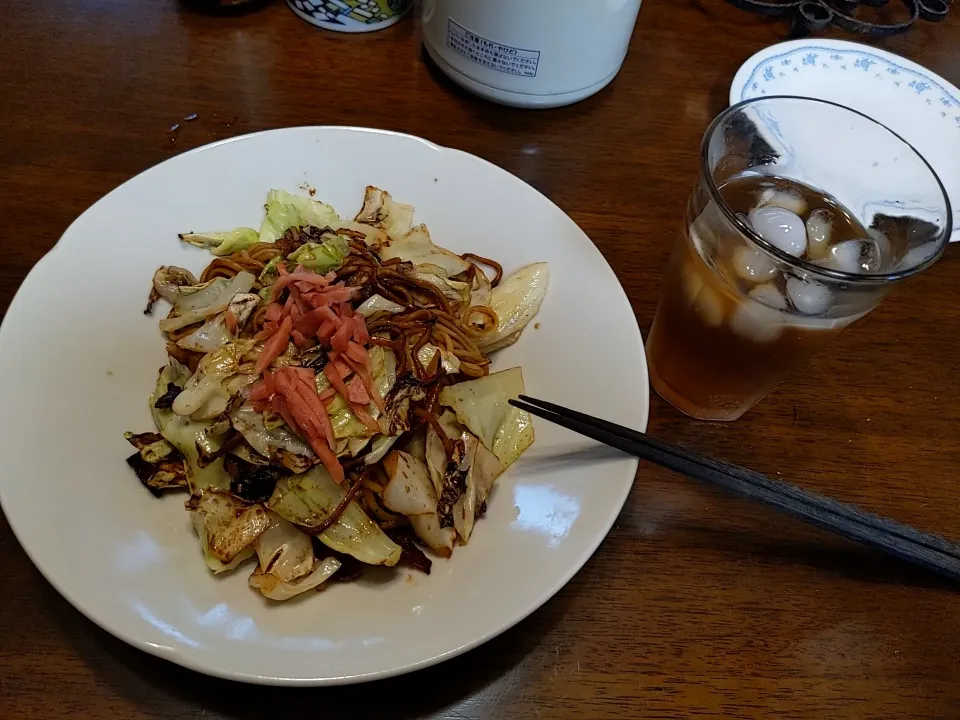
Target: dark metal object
pixel 810 16
pixel 933 10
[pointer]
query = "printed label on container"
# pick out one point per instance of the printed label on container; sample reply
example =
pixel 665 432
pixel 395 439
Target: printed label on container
pixel 502 58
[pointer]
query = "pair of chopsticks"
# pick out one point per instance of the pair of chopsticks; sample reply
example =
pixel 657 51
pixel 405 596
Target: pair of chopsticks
pixel 905 542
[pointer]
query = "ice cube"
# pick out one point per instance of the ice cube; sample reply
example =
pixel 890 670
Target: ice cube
pixel 753 265
pixel 692 282
pixel 703 299
pixel 769 295
pixel 884 246
pixel 757 322
pixel 786 199
pixel 781 228
pixel 855 256
pixel 819 230
pixel 709 306
pixel 809 296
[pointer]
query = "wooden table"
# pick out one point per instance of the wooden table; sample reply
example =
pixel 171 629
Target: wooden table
pixel 697 604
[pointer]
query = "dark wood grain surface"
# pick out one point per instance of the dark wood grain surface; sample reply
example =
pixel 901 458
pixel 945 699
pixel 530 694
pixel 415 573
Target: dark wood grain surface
pixel 697 604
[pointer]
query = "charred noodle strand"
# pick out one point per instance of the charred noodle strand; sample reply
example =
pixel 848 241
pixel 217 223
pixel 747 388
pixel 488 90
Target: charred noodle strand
pixel 414 329
pixel 386 343
pixel 401 278
pixel 251 260
pixel 374 507
pixel 410 320
pixel 367 503
pixel 394 294
pixel 371 485
pixel 433 369
pixel 412 362
pixel 456 330
pixel 471 356
pixel 443 339
pixel 497 267
pixel 432 402
pixel 381 323
pixel 185 357
pixel 472 370
pixel 230 265
pixel 395 345
pixel 437 428
pixel 257 321
pixel 180 333
pixel 421 342
pixel 492 319
pixel 263 252
pixel 337 511
pixel 360 250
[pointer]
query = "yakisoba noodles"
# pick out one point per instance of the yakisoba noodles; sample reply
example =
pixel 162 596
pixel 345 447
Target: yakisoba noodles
pixel 252 260
pixel 328 399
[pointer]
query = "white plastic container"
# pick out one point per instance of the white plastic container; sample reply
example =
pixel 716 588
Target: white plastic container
pixel 529 53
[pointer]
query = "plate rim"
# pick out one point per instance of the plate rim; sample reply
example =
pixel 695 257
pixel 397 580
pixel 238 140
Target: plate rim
pixel 750 66
pixel 177 655
pixel 739 82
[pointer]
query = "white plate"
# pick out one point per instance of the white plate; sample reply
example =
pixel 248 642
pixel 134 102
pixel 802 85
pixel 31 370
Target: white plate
pixel 78 359
pixel 914 102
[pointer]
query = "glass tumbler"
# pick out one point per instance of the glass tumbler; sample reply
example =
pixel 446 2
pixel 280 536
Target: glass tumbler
pixel 805 214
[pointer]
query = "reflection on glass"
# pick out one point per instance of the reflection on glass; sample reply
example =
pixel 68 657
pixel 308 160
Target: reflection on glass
pixel 544 509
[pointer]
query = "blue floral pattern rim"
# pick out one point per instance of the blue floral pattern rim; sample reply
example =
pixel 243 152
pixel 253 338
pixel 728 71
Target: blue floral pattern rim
pixel 893 74
pixel 901 77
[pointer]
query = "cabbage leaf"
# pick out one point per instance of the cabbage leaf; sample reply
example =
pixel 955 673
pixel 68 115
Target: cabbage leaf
pixel 382 211
pixel 184 433
pixel 249 423
pixel 285 210
pixel 202 301
pixel 287 565
pixel 416 247
pixel 223 243
pixel 307 499
pixel 227 527
pixel 483 406
pixel 321 257
pixel 516 300
pixel 204 395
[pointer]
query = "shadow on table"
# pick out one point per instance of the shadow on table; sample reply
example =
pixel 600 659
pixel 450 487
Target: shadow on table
pixel 519 122
pixel 215 8
pixel 835 555
pixel 162 687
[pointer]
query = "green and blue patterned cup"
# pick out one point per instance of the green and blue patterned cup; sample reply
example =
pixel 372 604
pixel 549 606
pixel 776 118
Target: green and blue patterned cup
pixel 351 15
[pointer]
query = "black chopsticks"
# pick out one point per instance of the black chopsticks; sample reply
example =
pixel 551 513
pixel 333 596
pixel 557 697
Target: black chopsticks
pixel 905 542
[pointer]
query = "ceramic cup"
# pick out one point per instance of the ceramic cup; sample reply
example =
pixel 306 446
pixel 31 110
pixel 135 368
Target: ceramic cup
pixel 529 53
pixel 351 15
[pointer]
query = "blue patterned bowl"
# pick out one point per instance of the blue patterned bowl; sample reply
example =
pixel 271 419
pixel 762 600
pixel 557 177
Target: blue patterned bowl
pixel 351 15
pixel 914 102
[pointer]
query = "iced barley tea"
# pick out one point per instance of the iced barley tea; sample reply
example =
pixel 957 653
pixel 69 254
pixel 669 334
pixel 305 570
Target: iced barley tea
pixel 804 215
pixel 732 321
